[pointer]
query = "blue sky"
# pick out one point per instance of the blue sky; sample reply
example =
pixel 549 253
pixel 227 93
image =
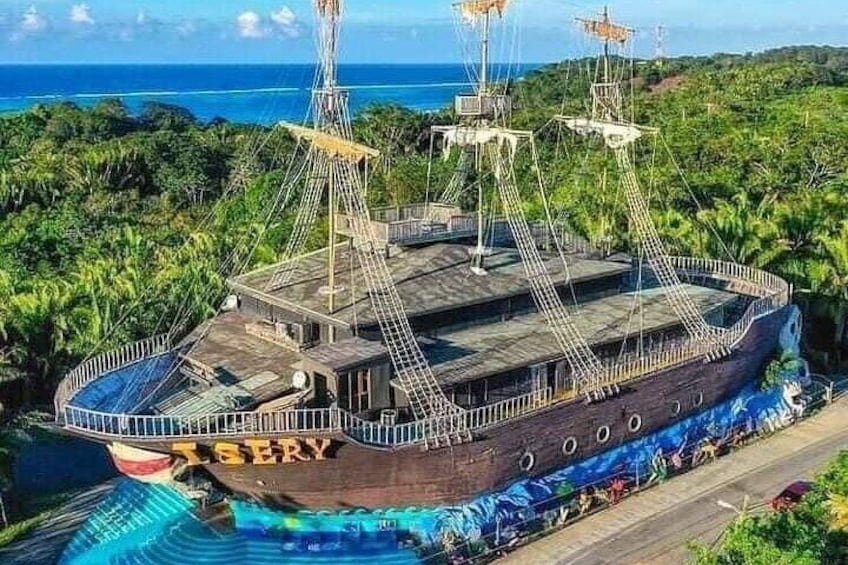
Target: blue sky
pixel 261 31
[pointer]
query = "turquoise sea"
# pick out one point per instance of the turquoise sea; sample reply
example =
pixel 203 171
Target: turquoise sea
pixel 241 93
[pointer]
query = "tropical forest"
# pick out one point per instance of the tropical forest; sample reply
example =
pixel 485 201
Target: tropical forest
pixel 115 226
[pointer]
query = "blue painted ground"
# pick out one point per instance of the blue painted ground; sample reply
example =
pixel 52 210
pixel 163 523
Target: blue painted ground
pixel 46 467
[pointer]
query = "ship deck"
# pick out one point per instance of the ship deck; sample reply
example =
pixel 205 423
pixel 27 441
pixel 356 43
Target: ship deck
pixel 429 279
pixel 482 351
pixel 457 356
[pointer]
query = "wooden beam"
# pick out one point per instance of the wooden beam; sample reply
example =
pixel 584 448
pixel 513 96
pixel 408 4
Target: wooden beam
pixel 480 7
pixel 331 144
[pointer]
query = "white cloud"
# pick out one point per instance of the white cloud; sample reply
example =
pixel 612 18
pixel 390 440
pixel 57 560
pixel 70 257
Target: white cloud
pixel 32 21
pixel 186 29
pixel 286 21
pixel 251 26
pixel 284 17
pixel 81 14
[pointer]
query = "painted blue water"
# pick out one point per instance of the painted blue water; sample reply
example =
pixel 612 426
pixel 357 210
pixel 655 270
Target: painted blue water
pixel 250 94
pixel 120 391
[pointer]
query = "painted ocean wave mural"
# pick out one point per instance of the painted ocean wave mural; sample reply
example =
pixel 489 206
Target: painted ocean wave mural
pixel 162 529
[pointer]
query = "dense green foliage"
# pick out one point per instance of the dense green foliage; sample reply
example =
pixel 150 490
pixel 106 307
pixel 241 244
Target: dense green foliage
pixel 108 225
pixel 814 532
pixel 762 140
pixel 112 226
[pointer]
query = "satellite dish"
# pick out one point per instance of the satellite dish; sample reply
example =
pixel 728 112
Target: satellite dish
pixel 230 304
pixel 300 380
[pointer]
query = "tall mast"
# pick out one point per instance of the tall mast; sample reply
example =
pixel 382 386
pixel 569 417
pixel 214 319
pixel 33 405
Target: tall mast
pixel 619 135
pixel 329 115
pixel 606 95
pixel 486 106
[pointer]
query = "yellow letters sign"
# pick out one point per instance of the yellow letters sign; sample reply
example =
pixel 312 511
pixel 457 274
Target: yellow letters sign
pixel 256 451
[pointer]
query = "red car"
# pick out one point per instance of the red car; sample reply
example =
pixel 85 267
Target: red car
pixel 791 495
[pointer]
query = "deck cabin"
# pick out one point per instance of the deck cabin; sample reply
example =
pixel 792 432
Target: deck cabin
pixel 482 335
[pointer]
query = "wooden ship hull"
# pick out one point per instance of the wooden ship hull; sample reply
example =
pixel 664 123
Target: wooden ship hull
pixel 357 476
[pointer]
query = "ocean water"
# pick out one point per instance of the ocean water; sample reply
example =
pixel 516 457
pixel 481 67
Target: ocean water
pixel 247 93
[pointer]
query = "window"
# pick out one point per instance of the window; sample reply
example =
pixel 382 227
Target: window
pixel 355 391
pixel 527 462
pixel 569 446
pixel 635 423
pixel 698 400
pixel 603 434
pixel 676 408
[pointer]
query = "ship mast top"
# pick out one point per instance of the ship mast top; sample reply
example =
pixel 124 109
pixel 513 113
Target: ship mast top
pixel 472 10
pixel 606 95
pixel 329 102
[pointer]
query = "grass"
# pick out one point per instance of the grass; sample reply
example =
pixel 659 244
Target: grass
pixel 38 509
pixel 20 529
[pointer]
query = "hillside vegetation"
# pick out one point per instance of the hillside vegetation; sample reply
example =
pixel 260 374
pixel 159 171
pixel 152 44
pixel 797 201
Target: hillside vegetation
pixel 111 225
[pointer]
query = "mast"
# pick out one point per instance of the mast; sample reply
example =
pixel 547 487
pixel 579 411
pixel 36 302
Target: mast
pixel 606 95
pixel 334 161
pixel 330 105
pixel 484 57
pixel 620 135
pixel 487 107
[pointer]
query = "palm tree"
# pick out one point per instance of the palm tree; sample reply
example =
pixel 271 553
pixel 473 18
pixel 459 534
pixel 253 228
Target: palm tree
pixel 829 277
pixel 838 506
pixel 747 230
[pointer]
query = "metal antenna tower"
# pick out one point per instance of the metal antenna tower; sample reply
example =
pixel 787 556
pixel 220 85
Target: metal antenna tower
pixel 659 53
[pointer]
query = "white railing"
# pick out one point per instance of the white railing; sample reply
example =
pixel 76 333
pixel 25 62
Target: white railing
pixel 236 425
pixel 773 292
pixel 97 366
pixel 764 282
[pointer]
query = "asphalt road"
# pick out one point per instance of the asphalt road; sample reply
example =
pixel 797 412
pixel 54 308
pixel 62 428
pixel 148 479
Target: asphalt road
pixel 654 527
pixel 663 540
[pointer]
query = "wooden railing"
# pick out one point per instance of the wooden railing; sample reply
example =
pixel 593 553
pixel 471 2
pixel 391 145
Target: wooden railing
pixel 772 292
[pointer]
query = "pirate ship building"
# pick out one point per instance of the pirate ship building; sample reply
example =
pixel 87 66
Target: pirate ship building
pixel 428 355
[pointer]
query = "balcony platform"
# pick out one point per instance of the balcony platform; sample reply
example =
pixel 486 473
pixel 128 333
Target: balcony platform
pixel 431 279
pixel 483 351
pixel 415 224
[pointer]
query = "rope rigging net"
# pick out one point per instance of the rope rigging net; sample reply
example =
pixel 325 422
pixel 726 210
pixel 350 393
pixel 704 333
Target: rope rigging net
pixel 620 136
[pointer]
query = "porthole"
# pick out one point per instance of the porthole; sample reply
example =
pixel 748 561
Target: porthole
pixel 635 423
pixel 698 400
pixel 527 462
pixel 676 408
pixel 603 434
pixel 569 446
